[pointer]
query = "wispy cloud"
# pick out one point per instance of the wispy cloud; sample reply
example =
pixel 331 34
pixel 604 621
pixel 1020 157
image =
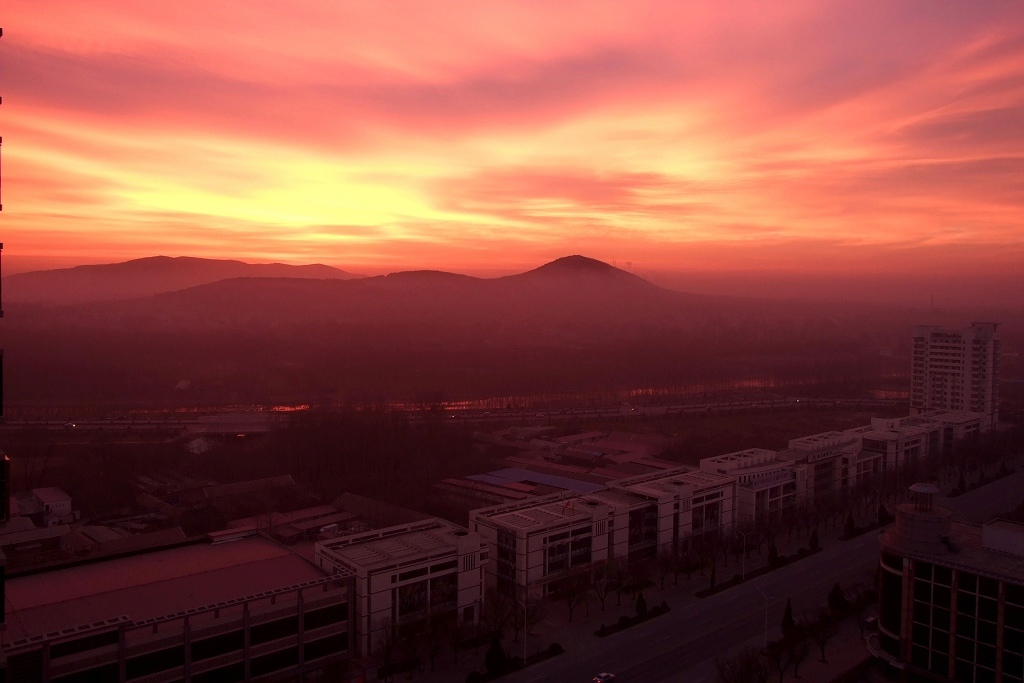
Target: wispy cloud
pixel 460 134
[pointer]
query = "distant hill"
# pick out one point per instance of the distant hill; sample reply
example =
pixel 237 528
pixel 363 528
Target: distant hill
pixel 573 324
pixel 574 291
pixel 145 277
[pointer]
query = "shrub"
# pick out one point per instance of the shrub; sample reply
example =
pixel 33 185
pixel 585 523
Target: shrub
pixel 603 631
pixel 813 542
pixel 664 605
pixel 475 677
pixel 555 649
pixel 623 621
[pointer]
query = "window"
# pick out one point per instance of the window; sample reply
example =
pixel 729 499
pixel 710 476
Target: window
pixel 412 574
pixel 325 647
pixel 324 616
pixel 275 661
pixel 161 660
pixel 444 566
pixel 444 590
pixel 218 645
pixel 273 630
pixel 412 598
pixel 82 644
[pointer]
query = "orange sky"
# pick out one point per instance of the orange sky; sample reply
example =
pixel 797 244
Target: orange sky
pixel 848 137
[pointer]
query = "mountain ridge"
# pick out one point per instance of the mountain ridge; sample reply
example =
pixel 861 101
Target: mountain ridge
pixel 146 276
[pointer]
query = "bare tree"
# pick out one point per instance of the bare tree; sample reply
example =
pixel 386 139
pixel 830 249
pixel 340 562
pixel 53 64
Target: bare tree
pixel 436 633
pixel 605 582
pixel 386 645
pixel 779 659
pixel 457 634
pixel 821 631
pixel 666 562
pixel 573 589
pixel 747 666
pixel 799 647
pixel 499 611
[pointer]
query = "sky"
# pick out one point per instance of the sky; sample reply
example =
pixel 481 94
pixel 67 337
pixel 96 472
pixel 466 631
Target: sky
pixel 790 139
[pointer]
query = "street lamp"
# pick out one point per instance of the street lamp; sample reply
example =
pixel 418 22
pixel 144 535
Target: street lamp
pixel 743 575
pixel 766 598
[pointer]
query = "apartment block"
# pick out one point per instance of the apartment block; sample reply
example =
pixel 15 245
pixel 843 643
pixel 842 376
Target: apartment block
pixel 957 370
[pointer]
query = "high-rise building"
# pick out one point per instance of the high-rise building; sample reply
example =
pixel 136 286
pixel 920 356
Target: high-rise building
pixel 957 370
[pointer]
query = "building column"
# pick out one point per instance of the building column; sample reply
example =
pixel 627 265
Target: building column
pixel 302 629
pixel 188 650
pixel 247 644
pixel 122 653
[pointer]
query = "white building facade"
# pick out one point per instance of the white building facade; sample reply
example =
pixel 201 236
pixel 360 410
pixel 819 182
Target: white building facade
pixel 406 576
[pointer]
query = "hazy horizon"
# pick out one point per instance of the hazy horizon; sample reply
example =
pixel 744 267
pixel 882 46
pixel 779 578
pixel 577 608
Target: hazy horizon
pixel 960 291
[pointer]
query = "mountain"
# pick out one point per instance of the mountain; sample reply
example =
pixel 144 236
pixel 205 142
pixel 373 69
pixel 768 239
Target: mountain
pixel 145 277
pixel 574 291
pixel 570 325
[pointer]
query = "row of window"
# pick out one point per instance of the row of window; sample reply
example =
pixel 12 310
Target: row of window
pixel 259 666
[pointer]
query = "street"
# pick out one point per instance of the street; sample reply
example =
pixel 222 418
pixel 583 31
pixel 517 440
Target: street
pixel 683 644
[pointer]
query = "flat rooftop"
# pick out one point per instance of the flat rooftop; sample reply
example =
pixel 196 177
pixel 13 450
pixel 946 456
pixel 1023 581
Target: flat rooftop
pixel 968 553
pixel 519 474
pixel 742 456
pixel 614 498
pixel 385 551
pixel 150 585
pixel 540 514
pixel 822 440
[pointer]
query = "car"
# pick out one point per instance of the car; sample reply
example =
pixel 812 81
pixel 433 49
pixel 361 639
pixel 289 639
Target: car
pixel 604 678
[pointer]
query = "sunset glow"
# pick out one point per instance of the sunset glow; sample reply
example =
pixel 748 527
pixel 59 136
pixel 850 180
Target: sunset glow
pixel 805 137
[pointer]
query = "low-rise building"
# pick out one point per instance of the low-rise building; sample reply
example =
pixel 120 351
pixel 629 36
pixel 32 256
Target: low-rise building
pixel 533 543
pixel 825 463
pixel 406 576
pixel 765 483
pixel 951 595
pixel 200 611
pixel 900 441
pixel 48 506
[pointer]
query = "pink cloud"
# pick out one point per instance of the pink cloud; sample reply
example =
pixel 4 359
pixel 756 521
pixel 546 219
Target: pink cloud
pixel 650 129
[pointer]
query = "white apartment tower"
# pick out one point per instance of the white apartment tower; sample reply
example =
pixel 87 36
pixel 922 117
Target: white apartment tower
pixel 957 370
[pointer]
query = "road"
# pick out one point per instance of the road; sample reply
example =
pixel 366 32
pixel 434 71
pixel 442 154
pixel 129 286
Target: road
pixel 683 644
pixel 176 422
